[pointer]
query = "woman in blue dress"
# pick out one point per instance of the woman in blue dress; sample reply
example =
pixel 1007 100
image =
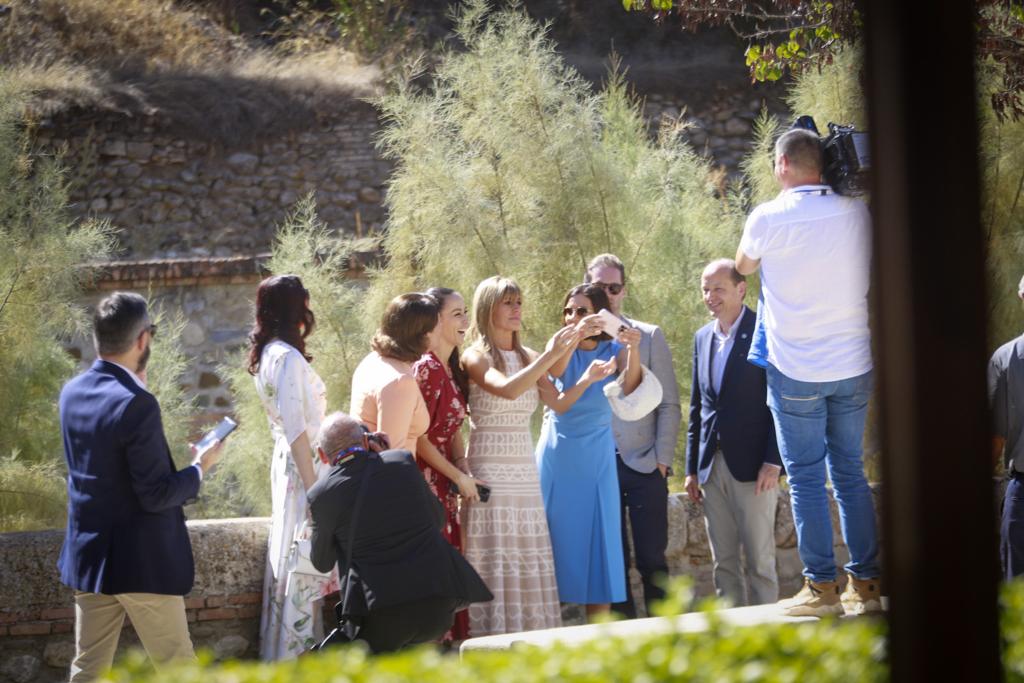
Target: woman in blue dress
pixel 576 458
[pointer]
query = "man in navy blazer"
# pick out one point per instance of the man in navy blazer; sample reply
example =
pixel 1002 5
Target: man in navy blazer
pixel 732 458
pixel 126 549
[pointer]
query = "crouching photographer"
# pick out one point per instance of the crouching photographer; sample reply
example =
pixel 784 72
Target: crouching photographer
pixel 401 582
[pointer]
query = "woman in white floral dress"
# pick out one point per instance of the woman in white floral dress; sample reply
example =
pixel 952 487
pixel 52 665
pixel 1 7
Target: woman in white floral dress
pixel 295 400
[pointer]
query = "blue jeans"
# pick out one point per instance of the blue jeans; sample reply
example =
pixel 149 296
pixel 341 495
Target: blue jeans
pixel 820 425
pixel 1011 530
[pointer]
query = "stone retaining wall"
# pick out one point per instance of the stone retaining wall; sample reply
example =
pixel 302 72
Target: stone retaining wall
pixel 37 611
pixel 174 197
pixel 37 616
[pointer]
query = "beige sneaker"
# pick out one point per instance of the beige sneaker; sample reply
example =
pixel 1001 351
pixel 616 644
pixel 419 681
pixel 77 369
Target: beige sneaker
pixel 862 596
pixel 815 599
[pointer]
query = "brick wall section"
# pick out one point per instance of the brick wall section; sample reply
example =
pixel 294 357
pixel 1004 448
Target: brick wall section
pixel 37 612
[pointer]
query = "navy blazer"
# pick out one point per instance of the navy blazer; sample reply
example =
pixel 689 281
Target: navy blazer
pixel 736 419
pixel 126 529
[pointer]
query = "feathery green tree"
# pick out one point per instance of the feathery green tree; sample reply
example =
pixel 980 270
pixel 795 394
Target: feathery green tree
pixel 509 163
pixel 42 252
pixel 240 485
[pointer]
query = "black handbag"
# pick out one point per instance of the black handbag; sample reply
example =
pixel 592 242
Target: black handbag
pixel 348 626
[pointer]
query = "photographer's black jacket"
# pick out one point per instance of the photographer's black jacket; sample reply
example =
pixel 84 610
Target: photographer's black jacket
pixel 399 553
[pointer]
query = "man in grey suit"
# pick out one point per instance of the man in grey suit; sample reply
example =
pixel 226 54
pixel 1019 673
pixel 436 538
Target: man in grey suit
pixel 645 447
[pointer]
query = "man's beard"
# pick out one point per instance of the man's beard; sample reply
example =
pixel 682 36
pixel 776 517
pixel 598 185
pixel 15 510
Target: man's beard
pixel 143 359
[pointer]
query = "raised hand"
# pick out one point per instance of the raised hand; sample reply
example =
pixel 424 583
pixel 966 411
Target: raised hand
pixel 590 326
pixel 566 339
pixel 598 370
pixel 629 336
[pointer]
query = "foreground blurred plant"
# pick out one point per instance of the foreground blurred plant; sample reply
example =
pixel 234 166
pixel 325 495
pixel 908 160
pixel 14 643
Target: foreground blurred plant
pixel 823 651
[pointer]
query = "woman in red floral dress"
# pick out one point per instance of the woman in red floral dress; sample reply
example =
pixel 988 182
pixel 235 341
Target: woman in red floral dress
pixel 440 453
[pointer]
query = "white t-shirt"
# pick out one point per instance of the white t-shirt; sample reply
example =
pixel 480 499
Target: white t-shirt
pixel 815 252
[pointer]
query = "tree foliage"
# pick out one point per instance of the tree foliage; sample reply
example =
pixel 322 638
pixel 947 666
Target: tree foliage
pixel 509 163
pixel 240 485
pixel 42 252
pixel 790 35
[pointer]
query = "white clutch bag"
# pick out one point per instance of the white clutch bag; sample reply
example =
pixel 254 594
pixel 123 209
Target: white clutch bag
pixel 299 562
pixel 645 398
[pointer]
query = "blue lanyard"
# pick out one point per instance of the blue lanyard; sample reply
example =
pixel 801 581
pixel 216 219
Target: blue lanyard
pixel 346 455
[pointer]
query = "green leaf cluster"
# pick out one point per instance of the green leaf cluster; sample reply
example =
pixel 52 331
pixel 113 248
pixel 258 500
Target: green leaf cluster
pixel 850 650
pixel 42 252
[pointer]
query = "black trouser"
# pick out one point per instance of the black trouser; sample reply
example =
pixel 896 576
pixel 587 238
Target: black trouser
pixel 645 496
pixel 387 629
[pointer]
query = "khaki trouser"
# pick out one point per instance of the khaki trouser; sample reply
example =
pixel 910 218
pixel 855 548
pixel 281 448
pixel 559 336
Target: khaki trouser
pixel 159 620
pixel 736 517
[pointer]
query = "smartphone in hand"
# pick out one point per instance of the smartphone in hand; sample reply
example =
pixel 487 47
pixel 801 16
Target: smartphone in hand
pixel 218 433
pixel 482 489
pixel 611 323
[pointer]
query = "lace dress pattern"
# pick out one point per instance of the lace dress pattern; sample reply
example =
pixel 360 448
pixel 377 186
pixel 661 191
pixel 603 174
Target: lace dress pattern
pixel 507 538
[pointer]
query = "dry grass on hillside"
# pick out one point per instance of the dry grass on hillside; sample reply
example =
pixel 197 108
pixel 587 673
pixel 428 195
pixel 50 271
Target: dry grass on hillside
pixel 172 61
pixel 254 97
pixel 114 33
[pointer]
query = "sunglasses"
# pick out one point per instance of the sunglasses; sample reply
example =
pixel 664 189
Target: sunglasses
pixel 151 329
pixel 614 288
pixel 580 311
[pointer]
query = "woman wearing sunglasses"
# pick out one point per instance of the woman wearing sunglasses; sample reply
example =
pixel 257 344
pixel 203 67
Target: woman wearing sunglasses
pixel 576 457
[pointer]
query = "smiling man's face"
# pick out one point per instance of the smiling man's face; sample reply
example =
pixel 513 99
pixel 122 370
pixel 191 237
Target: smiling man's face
pixel 722 296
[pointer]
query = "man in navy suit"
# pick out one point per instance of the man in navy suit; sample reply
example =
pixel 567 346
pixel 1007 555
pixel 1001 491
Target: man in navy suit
pixel 126 549
pixel 732 458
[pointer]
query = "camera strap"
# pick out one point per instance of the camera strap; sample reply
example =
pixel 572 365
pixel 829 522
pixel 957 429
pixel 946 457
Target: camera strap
pixel 372 462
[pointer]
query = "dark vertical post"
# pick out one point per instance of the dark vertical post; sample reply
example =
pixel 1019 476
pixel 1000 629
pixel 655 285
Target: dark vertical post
pixel 929 297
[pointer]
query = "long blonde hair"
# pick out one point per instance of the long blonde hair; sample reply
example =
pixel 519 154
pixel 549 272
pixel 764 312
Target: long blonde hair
pixel 489 294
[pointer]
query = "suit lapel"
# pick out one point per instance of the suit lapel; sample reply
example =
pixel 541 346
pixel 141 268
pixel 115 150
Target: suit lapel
pixel 704 355
pixel 740 347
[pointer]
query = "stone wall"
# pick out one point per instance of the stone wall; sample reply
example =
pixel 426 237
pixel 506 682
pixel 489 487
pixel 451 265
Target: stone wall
pixel 37 616
pixel 722 126
pixel 174 197
pixel 217 315
pixel 37 612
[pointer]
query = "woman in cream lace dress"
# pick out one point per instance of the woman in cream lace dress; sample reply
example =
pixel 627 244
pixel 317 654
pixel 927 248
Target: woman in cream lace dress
pixel 507 539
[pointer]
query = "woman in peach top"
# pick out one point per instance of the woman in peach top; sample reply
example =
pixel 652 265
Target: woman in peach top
pixel 385 394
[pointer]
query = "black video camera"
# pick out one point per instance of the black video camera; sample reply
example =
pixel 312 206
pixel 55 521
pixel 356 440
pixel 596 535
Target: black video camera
pixel 847 157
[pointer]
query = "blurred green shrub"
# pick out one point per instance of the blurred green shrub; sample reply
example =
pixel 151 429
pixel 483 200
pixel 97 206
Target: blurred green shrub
pixel 850 650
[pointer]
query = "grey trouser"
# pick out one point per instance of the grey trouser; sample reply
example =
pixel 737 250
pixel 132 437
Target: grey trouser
pixel 736 517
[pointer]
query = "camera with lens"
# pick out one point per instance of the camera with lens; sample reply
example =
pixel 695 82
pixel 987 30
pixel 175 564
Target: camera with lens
pixel 847 157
